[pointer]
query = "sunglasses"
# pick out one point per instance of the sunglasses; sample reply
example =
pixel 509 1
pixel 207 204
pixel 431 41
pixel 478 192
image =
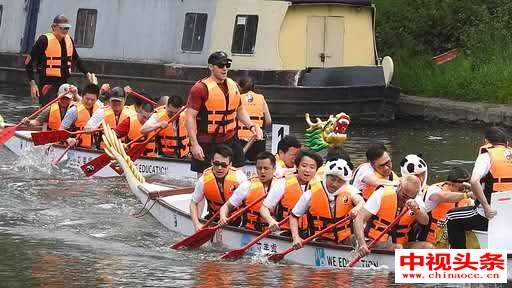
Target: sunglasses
pixel 63 28
pixel 222 65
pixel 220 164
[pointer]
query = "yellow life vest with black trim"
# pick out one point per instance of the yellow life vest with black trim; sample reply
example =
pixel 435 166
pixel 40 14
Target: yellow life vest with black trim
pixel 369 189
pixel 320 214
pixel 386 214
pixel 214 197
pixel 292 194
pixel 499 177
pixel 220 110
pixel 255 106
pixel 173 139
pixel 82 118
pixel 54 118
pixel 280 163
pixel 251 219
pixel 53 55
pixel 438 215
pixel 134 133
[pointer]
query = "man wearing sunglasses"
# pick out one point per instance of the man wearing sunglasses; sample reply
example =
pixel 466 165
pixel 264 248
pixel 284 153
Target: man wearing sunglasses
pixel 54 54
pixel 382 208
pixel 216 185
pixel 213 108
pixel 378 170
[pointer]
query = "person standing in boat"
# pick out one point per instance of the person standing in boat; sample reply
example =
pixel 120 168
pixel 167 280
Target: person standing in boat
pixel 257 108
pixel 381 209
pixel 55 54
pixel 251 190
pixel 378 170
pixel 55 113
pixel 172 140
pixel 492 173
pixel 440 198
pixel 131 126
pixel 326 202
pixel 216 185
pixel 77 116
pixel 213 107
pixel 287 150
pixel 283 196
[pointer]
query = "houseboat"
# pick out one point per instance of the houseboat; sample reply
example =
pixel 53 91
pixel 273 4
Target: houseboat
pixel 310 56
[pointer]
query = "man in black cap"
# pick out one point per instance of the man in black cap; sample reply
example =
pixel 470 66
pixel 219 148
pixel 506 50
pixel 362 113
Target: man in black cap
pixel 55 54
pixel 213 108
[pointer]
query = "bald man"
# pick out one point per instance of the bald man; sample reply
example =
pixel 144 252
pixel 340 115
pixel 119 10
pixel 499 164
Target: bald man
pixel 382 208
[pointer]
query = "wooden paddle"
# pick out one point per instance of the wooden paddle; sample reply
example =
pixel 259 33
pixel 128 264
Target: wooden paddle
pixel 137 95
pixel 7 133
pixel 57 160
pixel 45 137
pixel 278 256
pixel 204 235
pixel 237 253
pixel 249 144
pixel 374 242
pixel 138 149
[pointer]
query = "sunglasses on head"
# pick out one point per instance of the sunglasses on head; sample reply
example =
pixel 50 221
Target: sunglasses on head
pixel 220 164
pixel 222 65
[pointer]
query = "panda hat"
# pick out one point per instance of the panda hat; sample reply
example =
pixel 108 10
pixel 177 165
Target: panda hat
pixel 339 168
pixel 413 164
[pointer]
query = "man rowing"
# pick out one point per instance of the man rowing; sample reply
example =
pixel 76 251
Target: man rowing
pixel 492 173
pixel 130 127
pixel 216 185
pixel 251 190
pixel 327 202
pixel 381 209
pixel 283 196
pixel 172 140
pixel 213 108
pixel 287 150
pixel 378 170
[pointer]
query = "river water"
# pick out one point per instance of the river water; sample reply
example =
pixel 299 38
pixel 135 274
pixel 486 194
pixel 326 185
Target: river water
pixel 60 229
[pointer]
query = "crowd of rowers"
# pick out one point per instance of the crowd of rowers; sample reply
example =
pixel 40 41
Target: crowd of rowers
pixel 298 184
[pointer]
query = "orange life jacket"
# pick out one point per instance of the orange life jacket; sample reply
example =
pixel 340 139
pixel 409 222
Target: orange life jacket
pixel 212 194
pixel 54 118
pixel 438 214
pixel 320 214
pixel 134 133
pixel 369 189
pixel 255 106
pixel 53 55
pixel 386 214
pixel 291 196
pixel 251 219
pixel 82 118
pixel 499 177
pixel 110 116
pixel 220 110
pixel 173 139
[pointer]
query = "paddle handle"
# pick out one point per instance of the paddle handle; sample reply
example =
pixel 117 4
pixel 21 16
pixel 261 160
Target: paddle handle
pixel 240 211
pixel 137 95
pixel 44 107
pixel 374 241
pixel 264 234
pixel 173 117
pixel 85 131
pixel 249 144
pixel 56 161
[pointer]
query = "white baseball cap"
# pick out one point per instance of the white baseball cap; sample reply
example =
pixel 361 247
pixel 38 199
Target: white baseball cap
pixel 65 88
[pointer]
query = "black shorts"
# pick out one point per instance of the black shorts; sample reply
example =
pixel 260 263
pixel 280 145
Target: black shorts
pixel 238 155
pixel 256 148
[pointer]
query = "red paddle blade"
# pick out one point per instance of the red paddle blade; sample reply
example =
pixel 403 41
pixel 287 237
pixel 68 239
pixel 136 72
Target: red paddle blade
pixel 95 165
pixel 233 254
pixel 6 134
pixel 45 137
pixel 276 257
pixel 195 241
pixel 136 151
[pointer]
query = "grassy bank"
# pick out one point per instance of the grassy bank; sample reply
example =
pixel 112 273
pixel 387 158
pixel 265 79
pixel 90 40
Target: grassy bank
pixel 412 32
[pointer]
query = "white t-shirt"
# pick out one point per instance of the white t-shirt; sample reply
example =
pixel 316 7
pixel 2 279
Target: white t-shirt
pixel 362 171
pixel 240 193
pixel 198 194
pixel 373 203
pixel 276 193
pixel 304 202
pixel 96 118
pixel 431 204
pixel 481 169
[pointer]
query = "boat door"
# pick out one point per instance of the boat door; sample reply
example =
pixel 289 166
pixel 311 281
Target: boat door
pixel 29 35
pixel 325 41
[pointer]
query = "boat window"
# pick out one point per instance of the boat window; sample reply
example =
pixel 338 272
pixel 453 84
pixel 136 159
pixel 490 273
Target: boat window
pixel 1 14
pixel 85 28
pixel 193 31
pixel 244 34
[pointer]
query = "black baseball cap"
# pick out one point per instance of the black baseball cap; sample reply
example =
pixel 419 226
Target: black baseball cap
pixel 117 93
pixel 458 175
pixel 219 57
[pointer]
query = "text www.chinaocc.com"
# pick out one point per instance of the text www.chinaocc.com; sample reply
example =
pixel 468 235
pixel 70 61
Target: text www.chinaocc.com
pixel 446 275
